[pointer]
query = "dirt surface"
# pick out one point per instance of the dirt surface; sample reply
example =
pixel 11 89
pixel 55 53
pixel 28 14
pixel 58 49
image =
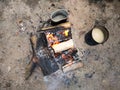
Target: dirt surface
pixel 101 69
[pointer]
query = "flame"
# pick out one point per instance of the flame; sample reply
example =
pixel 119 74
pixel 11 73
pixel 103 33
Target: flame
pixel 66 32
pixel 52 40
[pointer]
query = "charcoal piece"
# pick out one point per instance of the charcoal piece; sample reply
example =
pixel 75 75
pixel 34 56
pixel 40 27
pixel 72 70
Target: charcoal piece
pixel 47 65
pixel 45 58
pixel 41 41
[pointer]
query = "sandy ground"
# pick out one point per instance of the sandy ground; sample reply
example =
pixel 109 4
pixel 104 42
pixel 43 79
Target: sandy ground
pixel 101 62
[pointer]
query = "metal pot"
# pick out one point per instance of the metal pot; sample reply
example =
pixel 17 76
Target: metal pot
pixel 59 15
pixel 100 34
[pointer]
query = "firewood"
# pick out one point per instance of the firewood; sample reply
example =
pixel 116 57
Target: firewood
pixel 32 64
pixel 64 25
pixel 29 69
pixel 71 66
pixel 63 46
pixel 33 40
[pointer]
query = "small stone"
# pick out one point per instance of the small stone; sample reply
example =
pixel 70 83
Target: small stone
pixel 97 57
pixel 19 46
pixel 52 5
pixel 1 73
pixel 36 77
pixel 86 52
pixel 79 86
pixel 8 84
pixel 89 75
pixel 9 68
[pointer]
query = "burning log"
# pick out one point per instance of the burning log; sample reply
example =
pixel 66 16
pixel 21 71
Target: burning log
pixel 57 34
pixel 63 46
pixel 45 58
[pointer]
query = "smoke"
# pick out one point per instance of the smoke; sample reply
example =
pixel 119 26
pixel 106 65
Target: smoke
pixel 59 79
pixel 54 80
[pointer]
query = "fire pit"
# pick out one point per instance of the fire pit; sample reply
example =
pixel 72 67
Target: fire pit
pixel 53 49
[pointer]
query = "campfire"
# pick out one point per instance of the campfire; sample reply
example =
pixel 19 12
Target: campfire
pixel 53 49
